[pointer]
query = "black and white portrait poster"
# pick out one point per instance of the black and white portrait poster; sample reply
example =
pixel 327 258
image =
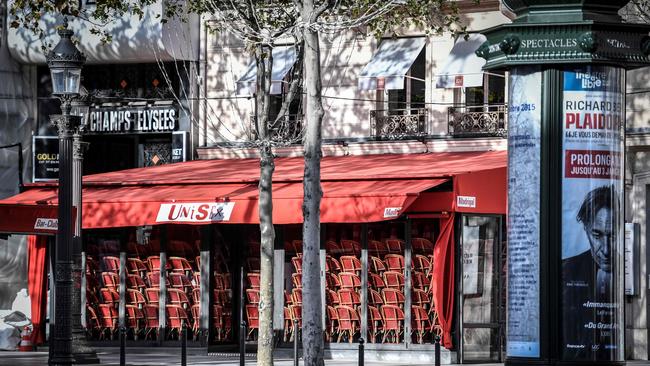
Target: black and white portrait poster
pixel 592 193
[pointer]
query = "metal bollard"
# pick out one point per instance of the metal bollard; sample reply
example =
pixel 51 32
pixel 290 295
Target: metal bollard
pixel 437 351
pixel 361 351
pixel 184 344
pixel 295 342
pixel 122 346
pixel 242 343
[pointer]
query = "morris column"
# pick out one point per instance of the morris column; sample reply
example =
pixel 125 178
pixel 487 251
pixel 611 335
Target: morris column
pixel 567 62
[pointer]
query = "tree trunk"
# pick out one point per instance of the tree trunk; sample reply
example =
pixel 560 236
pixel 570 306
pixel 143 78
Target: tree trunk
pixel 312 335
pixel 267 233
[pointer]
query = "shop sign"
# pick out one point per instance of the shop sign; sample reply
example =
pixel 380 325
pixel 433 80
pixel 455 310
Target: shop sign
pixel 178 146
pixel 195 212
pixel 140 119
pixel 45 161
pixel 390 212
pixel 46 224
pixel 466 201
pixel 632 231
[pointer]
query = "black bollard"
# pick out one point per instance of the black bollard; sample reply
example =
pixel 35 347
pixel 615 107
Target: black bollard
pixel 184 344
pixel 437 351
pixel 295 342
pixel 361 351
pixel 122 346
pixel 242 343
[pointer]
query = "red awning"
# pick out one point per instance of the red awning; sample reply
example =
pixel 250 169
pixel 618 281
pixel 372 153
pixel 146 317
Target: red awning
pixel 366 188
pixel 104 207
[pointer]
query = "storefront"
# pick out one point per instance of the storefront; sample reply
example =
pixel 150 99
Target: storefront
pixel 411 248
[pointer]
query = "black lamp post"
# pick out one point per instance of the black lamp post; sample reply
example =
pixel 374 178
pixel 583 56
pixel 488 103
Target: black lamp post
pixel 65 62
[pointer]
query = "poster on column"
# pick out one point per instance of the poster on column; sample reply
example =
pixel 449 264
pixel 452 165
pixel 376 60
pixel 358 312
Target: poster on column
pixel 592 191
pixel 524 151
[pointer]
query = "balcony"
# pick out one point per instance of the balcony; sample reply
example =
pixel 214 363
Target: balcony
pixel 475 121
pixel 398 124
pixel 285 131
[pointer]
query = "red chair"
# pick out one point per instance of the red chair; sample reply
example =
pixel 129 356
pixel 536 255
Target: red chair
pixel 297 264
pixel 332 265
pixel 374 323
pixel 152 295
pixel 420 298
pixel 92 321
pixel 395 245
pixel 179 281
pixel 375 281
pixel 421 246
pixel 176 317
pixel 180 265
pixel 374 298
pixel 111 264
pixel 253 296
pixel 153 263
pixel 91 297
pixel 178 297
pixel 107 320
pixel 287 324
pixel 376 265
pixel 377 248
pixel 151 323
pixel 154 279
pixel 393 322
pixel 253 280
pixel 349 297
pixel 350 264
pixel 253 264
pixel 134 281
pixel 392 296
pixel 135 297
pixel 110 280
pixel 349 280
pixel 217 321
pixel 332 280
pixel 136 266
pixel 109 296
pixel 331 325
pixel 331 297
pixel 394 262
pixel 332 247
pixel 196 319
pixel 296 296
pixel 419 281
pixel 296 314
pixel 348 322
pixel 296 279
pixel 91 265
pixel 394 279
pixel 419 322
pixel 196 295
pixel 421 263
pixel 253 320
pixel 134 319
pixel 222 297
pixel 287 297
pixel 350 247
pixel 196 280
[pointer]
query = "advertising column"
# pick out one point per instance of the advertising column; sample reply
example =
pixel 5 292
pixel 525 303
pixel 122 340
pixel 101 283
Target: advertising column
pixel 592 236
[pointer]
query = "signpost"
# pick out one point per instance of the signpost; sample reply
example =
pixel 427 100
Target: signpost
pixel 567 62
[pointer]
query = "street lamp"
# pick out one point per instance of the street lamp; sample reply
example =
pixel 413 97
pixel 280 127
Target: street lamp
pixel 65 62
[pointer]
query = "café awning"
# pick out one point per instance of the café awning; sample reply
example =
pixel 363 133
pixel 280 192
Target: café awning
pixel 463 68
pixel 359 189
pixel 284 57
pixel 390 63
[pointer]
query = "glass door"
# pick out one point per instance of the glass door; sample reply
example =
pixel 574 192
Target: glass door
pixel 481 289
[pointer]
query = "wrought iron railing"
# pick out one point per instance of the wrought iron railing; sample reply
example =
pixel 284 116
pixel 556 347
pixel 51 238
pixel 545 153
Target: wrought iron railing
pixel 483 120
pixel 396 124
pixel 286 130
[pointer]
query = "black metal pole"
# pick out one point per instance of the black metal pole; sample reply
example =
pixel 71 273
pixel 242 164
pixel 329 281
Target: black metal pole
pixel 122 346
pixel 436 354
pixel 242 343
pixel 295 342
pixel 361 351
pixel 62 337
pixel 184 345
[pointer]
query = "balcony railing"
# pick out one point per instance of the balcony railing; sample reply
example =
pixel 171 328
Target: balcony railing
pixel 396 124
pixel 287 130
pixel 483 120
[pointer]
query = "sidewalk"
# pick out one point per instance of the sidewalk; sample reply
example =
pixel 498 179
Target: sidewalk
pixel 162 356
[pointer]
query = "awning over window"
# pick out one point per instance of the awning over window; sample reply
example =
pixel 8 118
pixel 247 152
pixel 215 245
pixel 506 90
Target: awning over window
pixel 390 63
pixel 368 188
pixel 463 68
pixel 284 58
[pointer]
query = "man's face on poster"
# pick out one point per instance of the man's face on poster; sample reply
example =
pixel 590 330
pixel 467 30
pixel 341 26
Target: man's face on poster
pixel 600 235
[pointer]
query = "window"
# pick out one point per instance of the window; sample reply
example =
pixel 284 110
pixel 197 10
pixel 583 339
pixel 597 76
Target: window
pixel 411 96
pixel 492 92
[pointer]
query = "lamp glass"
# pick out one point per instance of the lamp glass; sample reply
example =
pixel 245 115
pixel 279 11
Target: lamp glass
pixel 65 80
